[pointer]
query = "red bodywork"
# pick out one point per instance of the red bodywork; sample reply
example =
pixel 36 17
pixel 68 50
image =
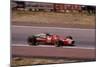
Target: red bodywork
pixel 52 39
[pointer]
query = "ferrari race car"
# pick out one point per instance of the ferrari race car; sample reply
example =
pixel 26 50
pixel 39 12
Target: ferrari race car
pixel 51 39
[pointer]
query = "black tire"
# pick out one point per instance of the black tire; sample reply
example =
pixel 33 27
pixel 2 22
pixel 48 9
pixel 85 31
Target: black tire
pixel 73 42
pixel 29 40
pixel 32 41
pixel 59 43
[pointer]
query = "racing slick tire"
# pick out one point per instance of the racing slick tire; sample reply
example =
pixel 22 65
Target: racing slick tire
pixel 72 44
pixel 59 43
pixel 32 41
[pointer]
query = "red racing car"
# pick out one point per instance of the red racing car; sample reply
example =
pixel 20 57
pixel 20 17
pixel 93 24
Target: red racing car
pixel 46 38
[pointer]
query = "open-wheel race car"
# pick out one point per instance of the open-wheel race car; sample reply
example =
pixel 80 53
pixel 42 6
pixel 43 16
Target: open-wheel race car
pixel 50 39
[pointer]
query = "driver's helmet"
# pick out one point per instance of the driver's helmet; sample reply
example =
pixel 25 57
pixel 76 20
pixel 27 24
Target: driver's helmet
pixel 47 34
pixel 69 37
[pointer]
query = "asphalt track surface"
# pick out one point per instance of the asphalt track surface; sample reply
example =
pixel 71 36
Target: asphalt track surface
pixel 58 52
pixel 85 38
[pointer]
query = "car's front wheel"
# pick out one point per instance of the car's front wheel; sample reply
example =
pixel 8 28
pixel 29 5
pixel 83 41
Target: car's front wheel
pixel 72 44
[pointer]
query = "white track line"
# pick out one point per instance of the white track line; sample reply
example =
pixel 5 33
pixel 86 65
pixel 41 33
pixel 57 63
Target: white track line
pixel 26 45
pixel 51 27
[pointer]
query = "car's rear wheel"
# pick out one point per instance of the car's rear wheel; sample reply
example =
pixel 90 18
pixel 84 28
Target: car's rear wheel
pixel 59 43
pixel 32 41
pixel 29 40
